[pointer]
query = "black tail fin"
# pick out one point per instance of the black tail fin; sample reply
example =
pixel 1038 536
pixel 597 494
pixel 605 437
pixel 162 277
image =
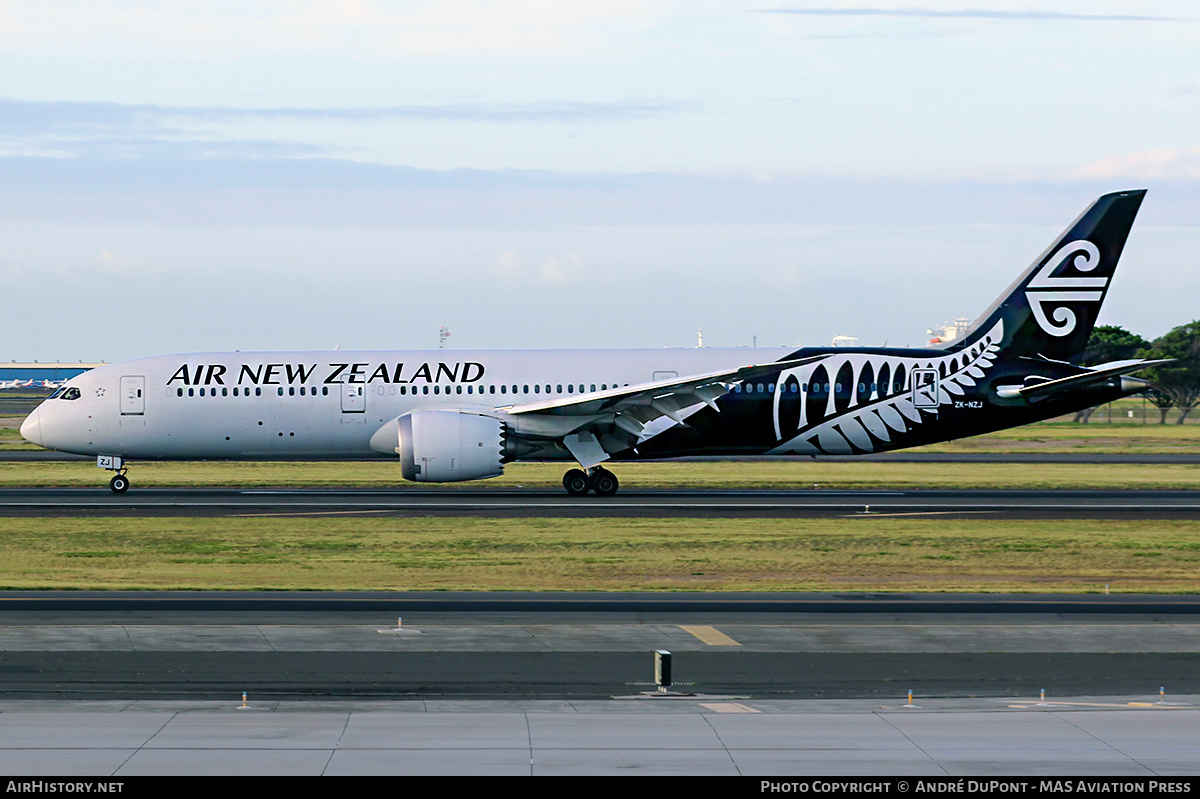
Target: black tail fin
pixel 1052 307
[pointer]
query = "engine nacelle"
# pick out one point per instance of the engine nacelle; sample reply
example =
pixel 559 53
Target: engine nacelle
pixel 443 446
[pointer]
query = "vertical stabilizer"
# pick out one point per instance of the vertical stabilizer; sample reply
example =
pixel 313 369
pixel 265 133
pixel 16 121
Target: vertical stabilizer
pixel 1051 309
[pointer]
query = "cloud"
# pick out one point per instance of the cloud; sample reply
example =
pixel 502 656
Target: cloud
pixel 1168 164
pixel 31 116
pixel 966 13
pixel 110 262
pixel 152 131
pixel 555 271
pixel 152 149
pixel 325 192
pixel 510 266
pixel 569 269
pixel 225 30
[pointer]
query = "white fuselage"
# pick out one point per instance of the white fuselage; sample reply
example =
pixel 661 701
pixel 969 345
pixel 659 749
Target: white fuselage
pixel 296 405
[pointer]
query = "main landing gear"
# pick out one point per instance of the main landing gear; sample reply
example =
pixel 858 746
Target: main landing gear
pixel 578 482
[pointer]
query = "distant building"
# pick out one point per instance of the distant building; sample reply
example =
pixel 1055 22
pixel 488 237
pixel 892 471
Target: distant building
pixel 949 331
pixel 845 341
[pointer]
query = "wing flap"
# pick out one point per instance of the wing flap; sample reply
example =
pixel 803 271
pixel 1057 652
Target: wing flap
pixel 595 425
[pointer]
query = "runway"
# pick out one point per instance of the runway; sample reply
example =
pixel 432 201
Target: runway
pixel 493 684
pixel 406 501
pixel 120 683
pixel 336 607
pixel 203 645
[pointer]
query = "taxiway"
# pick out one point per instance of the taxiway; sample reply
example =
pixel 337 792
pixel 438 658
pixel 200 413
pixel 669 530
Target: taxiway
pixel 629 503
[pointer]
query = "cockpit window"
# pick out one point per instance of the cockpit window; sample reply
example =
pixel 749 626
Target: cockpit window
pixel 71 393
pixel 57 392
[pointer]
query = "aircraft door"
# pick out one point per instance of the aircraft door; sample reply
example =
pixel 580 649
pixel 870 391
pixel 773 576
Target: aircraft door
pixel 354 398
pixel 133 395
pixel 925 388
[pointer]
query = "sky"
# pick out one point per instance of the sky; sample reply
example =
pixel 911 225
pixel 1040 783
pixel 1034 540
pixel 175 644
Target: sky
pixel 180 176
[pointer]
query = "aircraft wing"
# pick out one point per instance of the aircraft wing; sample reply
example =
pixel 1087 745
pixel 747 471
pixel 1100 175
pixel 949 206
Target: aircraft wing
pixel 1095 374
pixel 598 423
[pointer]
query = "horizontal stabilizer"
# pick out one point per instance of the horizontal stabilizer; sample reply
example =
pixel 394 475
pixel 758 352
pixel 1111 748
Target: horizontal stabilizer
pixel 1094 375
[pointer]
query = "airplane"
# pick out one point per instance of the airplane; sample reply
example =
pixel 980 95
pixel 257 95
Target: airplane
pixel 449 418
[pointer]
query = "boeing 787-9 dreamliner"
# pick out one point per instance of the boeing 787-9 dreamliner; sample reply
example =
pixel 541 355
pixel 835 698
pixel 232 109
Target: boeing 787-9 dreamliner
pixel 463 417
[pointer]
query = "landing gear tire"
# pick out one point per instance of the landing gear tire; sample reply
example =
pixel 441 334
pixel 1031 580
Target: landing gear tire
pixel 604 483
pixel 119 484
pixel 576 482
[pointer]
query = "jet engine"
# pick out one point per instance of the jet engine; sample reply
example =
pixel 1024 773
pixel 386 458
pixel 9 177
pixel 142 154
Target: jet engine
pixel 443 446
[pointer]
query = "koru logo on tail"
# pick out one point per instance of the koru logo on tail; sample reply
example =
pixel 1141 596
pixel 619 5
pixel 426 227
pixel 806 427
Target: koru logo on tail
pixel 1061 290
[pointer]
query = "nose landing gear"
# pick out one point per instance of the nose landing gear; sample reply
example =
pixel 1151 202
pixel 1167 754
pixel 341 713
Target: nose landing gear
pixel 600 480
pixel 115 463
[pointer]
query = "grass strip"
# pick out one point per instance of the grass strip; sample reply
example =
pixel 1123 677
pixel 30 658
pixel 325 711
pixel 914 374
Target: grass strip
pixel 672 475
pixel 484 554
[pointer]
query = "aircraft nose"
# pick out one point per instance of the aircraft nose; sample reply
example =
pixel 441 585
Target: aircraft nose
pixel 31 428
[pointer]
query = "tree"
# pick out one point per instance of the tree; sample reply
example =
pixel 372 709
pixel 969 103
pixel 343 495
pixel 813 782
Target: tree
pixel 1164 403
pixel 1109 343
pixel 1180 379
